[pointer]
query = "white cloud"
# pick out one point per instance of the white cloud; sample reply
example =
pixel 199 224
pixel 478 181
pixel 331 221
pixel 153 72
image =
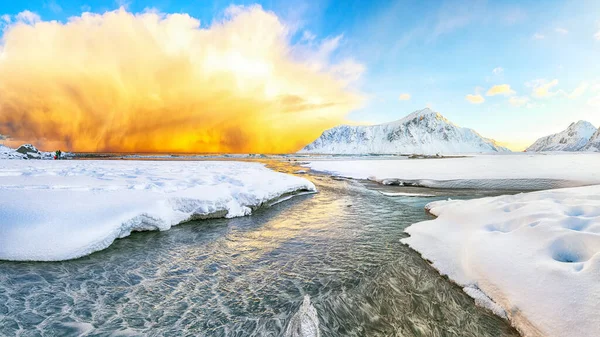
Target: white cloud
pixel 5 18
pixel 498 71
pixel 597 36
pixel 594 101
pixel 53 6
pixel 561 30
pixel 475 98
pixel 538 36
pixel 500 89
pixel 308 36
pixel 404 97
pixel 541 88
pixel 577 92
pixel 518 101
pixel 28 17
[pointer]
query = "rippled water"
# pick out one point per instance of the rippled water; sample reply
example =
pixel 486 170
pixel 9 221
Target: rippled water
pixel 248 277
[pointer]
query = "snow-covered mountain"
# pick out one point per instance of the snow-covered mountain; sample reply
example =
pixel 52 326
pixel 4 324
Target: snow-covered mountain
pixel 574 138
pixel 594 142
pixel 421 132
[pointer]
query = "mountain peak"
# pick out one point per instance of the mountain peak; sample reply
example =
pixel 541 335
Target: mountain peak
pixel 423 131
pixel 573 138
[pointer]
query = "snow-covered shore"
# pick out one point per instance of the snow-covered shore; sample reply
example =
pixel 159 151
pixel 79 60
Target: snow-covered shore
pixel 513 171
pixel 536 255
pixel 58 210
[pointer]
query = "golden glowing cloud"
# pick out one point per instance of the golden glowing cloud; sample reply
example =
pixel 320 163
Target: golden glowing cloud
pixel 500 89
pixel 541 88
pixel 120 81
pixel 475 99
pixel 404 97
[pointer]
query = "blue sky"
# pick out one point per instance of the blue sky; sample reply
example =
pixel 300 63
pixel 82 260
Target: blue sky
pixel 543 55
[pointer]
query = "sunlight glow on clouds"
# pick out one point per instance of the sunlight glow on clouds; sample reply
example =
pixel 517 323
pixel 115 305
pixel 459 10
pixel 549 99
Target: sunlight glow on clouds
pixel 518 101
pixel 541 88
pixel 120 81
pixel 404 97
pixel 500 89
pixel 475 99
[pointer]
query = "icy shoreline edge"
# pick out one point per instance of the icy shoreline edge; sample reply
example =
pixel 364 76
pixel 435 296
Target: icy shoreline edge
pixel 63 210
pixel 532 258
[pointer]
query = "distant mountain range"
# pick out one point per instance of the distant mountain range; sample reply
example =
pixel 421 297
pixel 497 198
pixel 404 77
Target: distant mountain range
pixel 421 132
pixel 579 136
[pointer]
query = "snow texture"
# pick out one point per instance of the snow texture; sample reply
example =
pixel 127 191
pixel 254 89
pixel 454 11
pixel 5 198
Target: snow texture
pixel 521 171
pixel 305 323
pixel 58 210
pixel 421 132
pixel 28 151
pixel 574 138
pixel 593 144
pixel 535 255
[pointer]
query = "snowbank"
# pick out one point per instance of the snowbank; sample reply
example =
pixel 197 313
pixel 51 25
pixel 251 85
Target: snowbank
pixel 514 171
pixel 536 255
pixel 57 210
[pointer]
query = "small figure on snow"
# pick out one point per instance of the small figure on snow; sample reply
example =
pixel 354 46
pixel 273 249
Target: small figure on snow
pixel 57 154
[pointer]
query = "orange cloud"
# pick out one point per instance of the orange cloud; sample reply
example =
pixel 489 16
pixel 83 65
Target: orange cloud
pixel 148 82
pixel 500 89
pixel 475 99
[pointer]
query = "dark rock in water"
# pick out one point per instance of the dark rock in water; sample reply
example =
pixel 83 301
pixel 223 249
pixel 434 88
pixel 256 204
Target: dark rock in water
pixel 30 151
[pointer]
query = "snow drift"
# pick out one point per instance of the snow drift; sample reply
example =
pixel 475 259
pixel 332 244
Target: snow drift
pixel 423 132
pixel 58 210
pixel 535 255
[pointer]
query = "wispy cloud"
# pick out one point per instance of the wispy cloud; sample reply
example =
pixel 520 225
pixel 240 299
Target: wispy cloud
pixel 561 30
pixel 28 17
pixel 53 7
pixel 404 97
pixel 498 71
pixel 538 36
pixel 518 101
pixel 541 88
pixel 500 89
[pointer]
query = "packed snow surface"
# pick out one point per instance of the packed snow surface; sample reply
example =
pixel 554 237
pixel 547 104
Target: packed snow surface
pixel 422 132
pixel 574 138
pixel 535 255
pixel 511 171
pixel 58 210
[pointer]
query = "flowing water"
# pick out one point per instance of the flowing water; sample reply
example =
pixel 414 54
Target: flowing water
pixel 339 250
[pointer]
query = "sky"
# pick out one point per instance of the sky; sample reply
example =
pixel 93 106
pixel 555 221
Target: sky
pixel 270 76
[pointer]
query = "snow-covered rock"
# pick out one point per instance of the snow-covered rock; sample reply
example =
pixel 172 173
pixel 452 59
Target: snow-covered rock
pixel 523 171
pixel 58 210
pixel 536 256
pixel 28 151
pixel 594 143
pixel 423 132
pixel 8 153
pixel 574 138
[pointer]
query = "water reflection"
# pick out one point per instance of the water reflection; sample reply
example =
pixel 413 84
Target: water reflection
pixel 249 276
